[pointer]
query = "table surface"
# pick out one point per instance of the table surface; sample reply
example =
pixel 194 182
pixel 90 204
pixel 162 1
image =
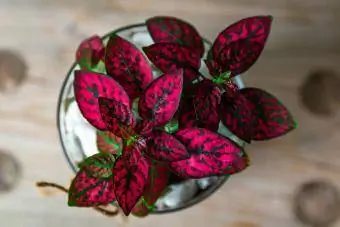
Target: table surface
pixel 305 35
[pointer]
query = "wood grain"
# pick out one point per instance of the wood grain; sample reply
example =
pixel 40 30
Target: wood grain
pixel 305 36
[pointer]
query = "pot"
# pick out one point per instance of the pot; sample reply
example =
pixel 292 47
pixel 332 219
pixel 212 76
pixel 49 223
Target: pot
pixel 78 137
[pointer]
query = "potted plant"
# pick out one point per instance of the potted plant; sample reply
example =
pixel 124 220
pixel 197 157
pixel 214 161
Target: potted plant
pixel 166 113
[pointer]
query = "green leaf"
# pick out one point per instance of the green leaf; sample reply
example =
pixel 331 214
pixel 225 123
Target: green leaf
pixel 99 68
pixel 150 207
pixel 85 60
pixel 171 126
pixel 109 143
pixel 135 108
pixel 99 165
pixel 86 64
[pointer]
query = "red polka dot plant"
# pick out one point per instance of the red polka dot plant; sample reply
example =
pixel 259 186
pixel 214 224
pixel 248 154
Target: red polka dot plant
pixel 151 126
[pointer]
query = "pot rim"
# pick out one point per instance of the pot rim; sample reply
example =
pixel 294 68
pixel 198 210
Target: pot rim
pixel 197 199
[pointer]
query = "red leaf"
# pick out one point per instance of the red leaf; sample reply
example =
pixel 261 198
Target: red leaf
pixel 236 115
pixel 190 90
pixel 109 143
pixel 201 110
pixel 187 115
pixel 118 117
pixel 205 104
pixel 99 165
pixel 239 56
pixel 252 30
pixel 214 68
pixel 90 52
pixel 174 30
pixel 164 147
pixel 203 87
pixel 126 64
pixel 241 163
pixel 144 127
pixel 88 87
pixel 131 175
pixel 271 118
pixel 88 191
pixel 157 183
pixel 169 56
pixel 161 99
pixel 211 154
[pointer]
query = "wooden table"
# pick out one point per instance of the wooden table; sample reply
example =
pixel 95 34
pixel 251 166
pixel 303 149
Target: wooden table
pixel 305 35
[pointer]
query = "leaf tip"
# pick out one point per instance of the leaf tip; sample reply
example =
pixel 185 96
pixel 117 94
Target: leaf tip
pixel 71 202
pixel 247 160
pixel 114 36
pixel 295 124
pixel 126 212
pixel 145 49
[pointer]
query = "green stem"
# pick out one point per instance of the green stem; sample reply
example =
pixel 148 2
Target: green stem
pixel 131 140
pixel 222 78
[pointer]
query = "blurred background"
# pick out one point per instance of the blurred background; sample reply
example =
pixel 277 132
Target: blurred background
pixel 300 65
